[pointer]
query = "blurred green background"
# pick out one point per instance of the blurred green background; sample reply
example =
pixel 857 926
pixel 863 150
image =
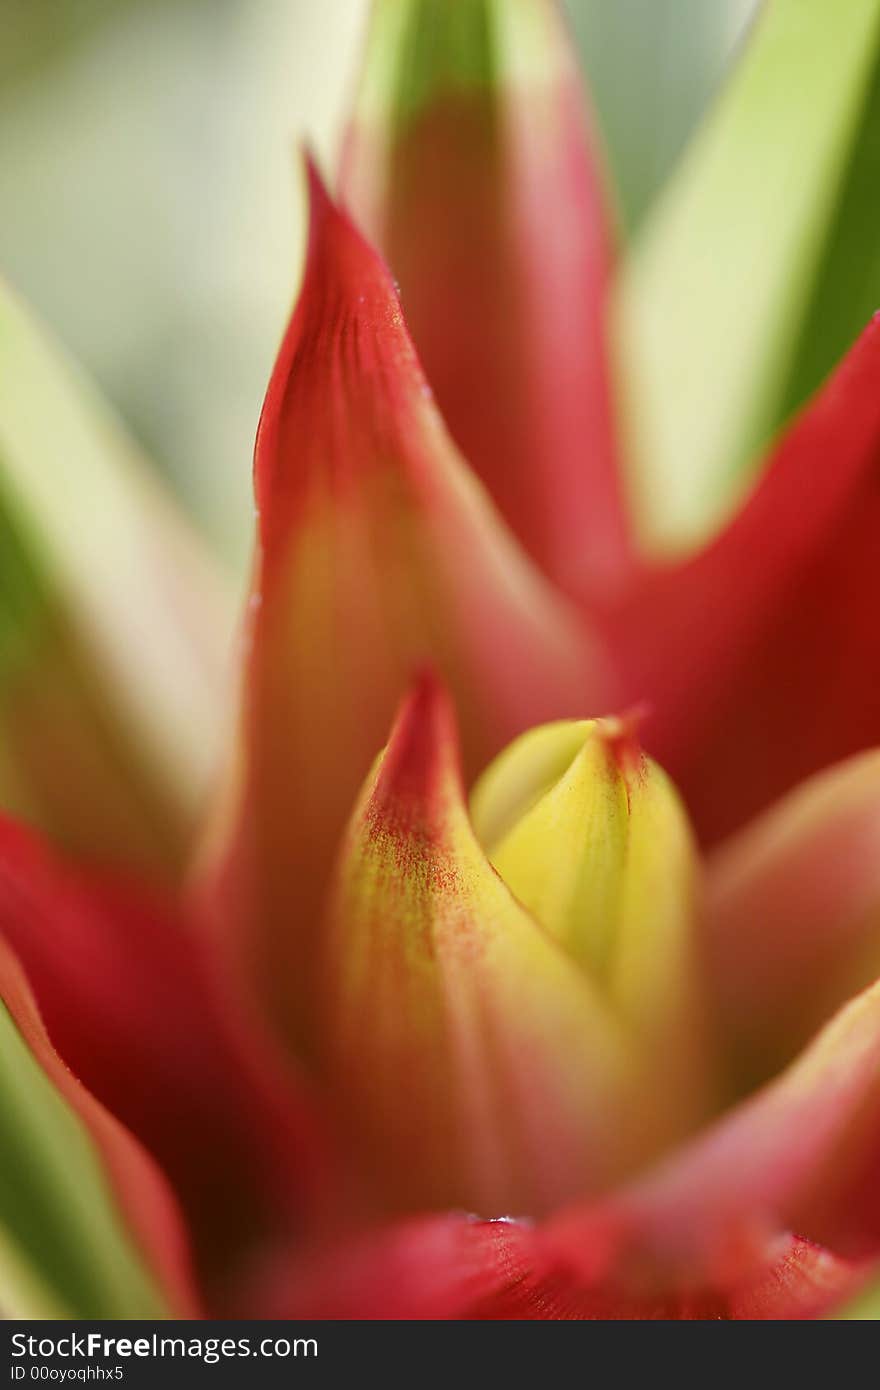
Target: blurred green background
pixel 150 204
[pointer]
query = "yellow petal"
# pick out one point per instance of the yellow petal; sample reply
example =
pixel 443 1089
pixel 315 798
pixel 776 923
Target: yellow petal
pixel 475 1064
pixel 592 838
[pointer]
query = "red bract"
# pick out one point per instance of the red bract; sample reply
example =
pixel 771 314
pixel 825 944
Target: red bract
pixel 377 551
pixel 771 630
pixel 128 989
pixel 536 1055
pixel 488 202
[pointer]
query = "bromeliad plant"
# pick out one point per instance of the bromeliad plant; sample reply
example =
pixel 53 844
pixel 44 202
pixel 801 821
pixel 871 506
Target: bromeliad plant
pixel 582 1045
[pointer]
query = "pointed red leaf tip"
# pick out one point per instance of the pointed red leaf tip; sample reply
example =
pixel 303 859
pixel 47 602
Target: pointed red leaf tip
pixel 347 327
pixel 622 736
pixel 472 1064
pixel 761 654
pixel 472 164
pixel 421 766
pixel 161 1035
pixel 378 552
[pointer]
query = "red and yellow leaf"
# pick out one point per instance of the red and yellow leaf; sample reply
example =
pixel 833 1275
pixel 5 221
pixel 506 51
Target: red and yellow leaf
pixel 471 163
pixel 377 551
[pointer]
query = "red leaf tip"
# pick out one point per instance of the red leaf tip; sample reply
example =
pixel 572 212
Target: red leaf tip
pixel 323 211
pixel 421 769
pixel 340 262
pixel 346 375
pixel 621 734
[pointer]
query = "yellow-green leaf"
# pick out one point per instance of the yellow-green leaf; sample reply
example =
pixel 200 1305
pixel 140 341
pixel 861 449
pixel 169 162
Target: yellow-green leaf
pixel 474 1065
pixel 593 840
pixel 715 293
pixel 88 1228
pixel 113 624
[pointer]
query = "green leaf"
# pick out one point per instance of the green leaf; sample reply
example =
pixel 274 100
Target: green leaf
pixel 847 290
pixel 421 48
pixel 64 1248
pixel 113 625
pixel 673 54
pixel 714 296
